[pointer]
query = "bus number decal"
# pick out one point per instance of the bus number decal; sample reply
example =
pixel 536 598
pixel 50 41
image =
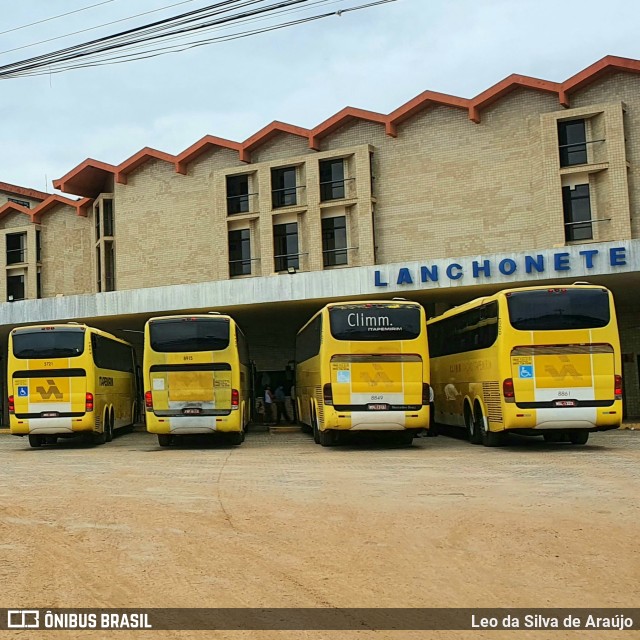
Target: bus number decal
pixel 188 357
pixel 48 363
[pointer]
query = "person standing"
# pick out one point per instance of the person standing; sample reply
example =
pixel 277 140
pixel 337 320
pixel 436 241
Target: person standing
pixel 281 408
pixel 268 405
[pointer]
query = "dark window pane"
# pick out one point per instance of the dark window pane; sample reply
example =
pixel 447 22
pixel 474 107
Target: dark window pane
pixel 111 354
pixel 97 221
pixel 38 245
pixel 572 139
pixel 577 213
pixel 52 343
pixel 237 194
pixel 558 309
pixel 16 248
pixel 240 252
pixel 331 180
pixel 107 212
pixel 39 285
pixel 283 187
pixel 285 246
pixel 15 288
pixel 189 334
pixel 334 241
pixel 109 267
pixel 98 270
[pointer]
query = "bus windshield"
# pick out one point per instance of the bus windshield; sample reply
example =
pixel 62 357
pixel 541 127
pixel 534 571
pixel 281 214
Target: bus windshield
pixel 189 334
pixel 558 309
pixel 375 322
pixel 45 343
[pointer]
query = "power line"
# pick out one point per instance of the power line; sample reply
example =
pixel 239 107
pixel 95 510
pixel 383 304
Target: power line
pixel 103 51
pixel 99 26
pixel 62 15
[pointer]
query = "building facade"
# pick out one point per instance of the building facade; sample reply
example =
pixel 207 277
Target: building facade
pixel 442 200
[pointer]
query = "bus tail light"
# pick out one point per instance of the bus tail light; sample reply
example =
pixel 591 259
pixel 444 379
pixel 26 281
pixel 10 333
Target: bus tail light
pixel 425 393
pixel 327 394
pixel 508 391
pixel 235 399
pixel 88 401
pixel 617 387
pixel 12 406
pixel 148 401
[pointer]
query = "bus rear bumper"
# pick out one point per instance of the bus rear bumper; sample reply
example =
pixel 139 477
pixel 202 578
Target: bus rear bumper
pixel 377 420
pixel 193 425
pixel 565 418
pixel 51 426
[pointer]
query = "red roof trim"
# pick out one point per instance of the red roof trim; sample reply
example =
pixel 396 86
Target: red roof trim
pixel 202 146
pixel 83 180
pixel 35 215
pixel 23 191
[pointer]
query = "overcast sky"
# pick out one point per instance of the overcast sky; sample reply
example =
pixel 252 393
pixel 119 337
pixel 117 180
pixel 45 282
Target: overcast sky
pixel 374 59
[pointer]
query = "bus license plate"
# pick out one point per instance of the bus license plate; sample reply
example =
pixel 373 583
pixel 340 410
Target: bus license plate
pixel 192 411
pixel 565 403
pixel 378 407
pixel 49 414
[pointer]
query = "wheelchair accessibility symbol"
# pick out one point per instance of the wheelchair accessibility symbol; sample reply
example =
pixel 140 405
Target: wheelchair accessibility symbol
pixel 526 371
pixel 23 392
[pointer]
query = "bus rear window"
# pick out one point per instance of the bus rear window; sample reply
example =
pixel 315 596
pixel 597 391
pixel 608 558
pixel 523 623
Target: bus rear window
pixel 375 322
pixel 187 334
pixel 48 343
pixel 556 309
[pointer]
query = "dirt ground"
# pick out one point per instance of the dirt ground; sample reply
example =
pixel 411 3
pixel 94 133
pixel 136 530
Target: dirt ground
pixel 281 522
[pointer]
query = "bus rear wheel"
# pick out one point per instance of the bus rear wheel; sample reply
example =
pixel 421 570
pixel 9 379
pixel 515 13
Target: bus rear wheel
pixel 327 438
pixel 165 439
pixel 579 437
pixel 472 426
pixel 35 440
pixel 108 426
pixel 314 428
pixel 235 437
pixel 404 438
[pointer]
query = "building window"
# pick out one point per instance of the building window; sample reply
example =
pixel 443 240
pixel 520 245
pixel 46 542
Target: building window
pixel 38 284
pixel 109 267
pixel 334 241
pixel 16 248
pixel 237 194
pixel 240 252
pixel 283 187
pixel 15 288
pixel 98 269
pixel 577 213
pixel 285 246
pixel 572 139
pixel 38 245
pixel 107 217
pixel 331 180
pixel 23 203
pixel 97 210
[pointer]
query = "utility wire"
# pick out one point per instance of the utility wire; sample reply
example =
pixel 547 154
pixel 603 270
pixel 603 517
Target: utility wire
pixel 99 26
pixel 62 15
pixel 105 53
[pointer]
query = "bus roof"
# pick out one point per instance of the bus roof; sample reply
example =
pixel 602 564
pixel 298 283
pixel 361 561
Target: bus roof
pixel 472 304
pixel 199 316
pixel 69 326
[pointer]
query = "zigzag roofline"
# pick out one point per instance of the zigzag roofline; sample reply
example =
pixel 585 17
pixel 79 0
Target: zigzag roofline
pixel 87 179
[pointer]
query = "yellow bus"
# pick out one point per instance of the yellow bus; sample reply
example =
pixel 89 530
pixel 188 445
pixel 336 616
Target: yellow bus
pixel 534 361
pixel 196 377
pixel 69 379
pixel 363 366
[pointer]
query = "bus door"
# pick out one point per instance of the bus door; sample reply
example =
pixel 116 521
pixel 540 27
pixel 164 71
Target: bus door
pixel 198 389
pixel 377 381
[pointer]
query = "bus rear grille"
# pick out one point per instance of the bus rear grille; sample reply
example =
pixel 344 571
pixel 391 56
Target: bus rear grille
pixel 492 400
pixel 98 423
pixel 320 404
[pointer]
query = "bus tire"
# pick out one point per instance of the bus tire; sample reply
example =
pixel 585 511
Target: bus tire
pixel 327 437
pixel 579 437
pixel 108 426
pixel 35 440
pixel 235 438
pixel 100 438
pixel 405 438
pixel 165 439
pixel 472 427
pixel 314 428
pixel 553 437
